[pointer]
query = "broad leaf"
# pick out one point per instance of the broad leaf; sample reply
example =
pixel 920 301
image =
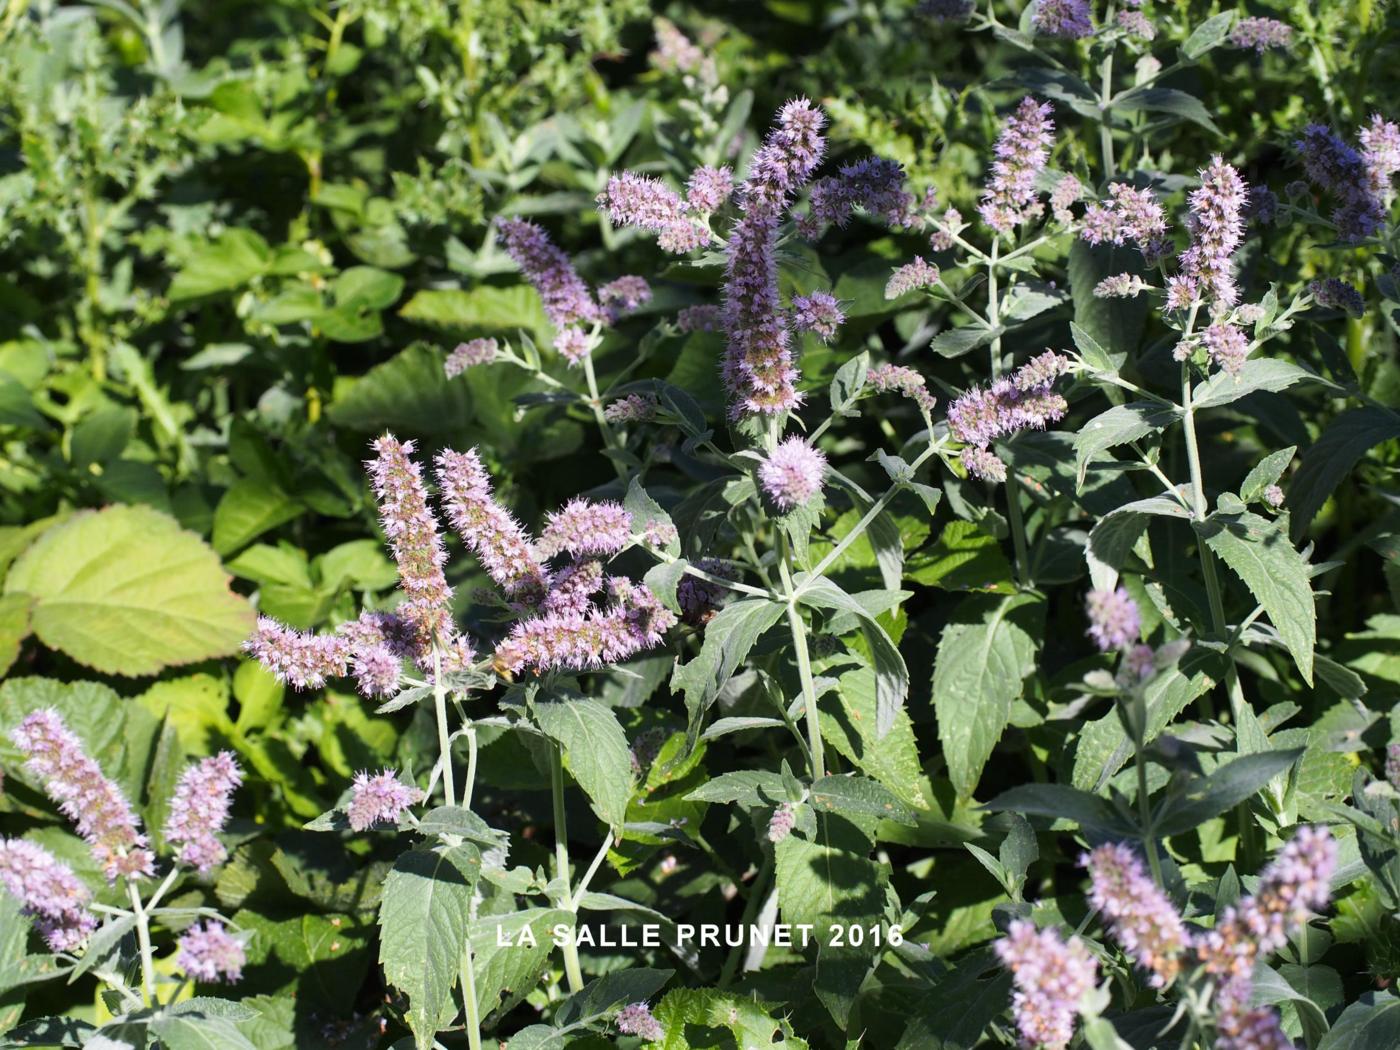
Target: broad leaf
pixel 1330 458
pixel 596 751
pixel 126 591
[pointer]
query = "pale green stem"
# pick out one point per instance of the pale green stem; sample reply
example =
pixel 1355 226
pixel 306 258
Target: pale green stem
pixel 1105 108
pixel 471 1012
pixel 470 785
pixel 143 939
pixel 804 664
pixel 572 971
pixel 757 892
pixel 1013 486
pixel 449 787
pixel 595 402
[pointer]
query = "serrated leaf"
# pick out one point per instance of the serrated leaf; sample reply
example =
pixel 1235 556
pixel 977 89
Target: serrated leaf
pixel 857 797
pixel 1265 473
pixel 486 308
pixel 1169 101
pixel 1226 787
pixel 986 651
pixel 728 639
pixel 409 392
pixel 1257 374
pixel 127 591
pixel 596 751
pixel 1331 457
pixel 1259 553
pixel 249 508
pixel 1119 425
pixel 848 725
pixel 423 924
pixel 1209 34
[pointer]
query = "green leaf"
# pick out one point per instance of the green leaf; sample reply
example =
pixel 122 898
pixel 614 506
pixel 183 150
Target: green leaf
pixel 1234 782
pixel 1114 325
pixel 987 649
pixel 247 510
pixel 857 797
pixel 1209 34
pixel 1331 457
pixel 848 383
pixel 635 985
pixel 1259 552
pixel 955 1013
pixel 964 558
pixel 687 1013
pixel 102 435
pixel 646 511
pixel 14 627
pixel 1370 1023
pixel 728 639
pixel 230 261
pixel 1104 745
pixel 750 788
pixel 198 1032
pixel 954 342
pixel 891 674
pixel 848 724
pixel 1118 426
pixel 126 591
pixel 596 751
pixel 409 392
pixel 1059 803
pixel 1258 374
pixel 486 308
pixel 508 965
pixel 1265 473
pixel 423 924
pixel 1169 101
pixel 17 405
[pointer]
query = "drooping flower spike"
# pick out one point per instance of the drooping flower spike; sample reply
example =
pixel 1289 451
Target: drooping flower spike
pixel 48 891
pixel 572 641
pixel 1023 400
pixel 95 805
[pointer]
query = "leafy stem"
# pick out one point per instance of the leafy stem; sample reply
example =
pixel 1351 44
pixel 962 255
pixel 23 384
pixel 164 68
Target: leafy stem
pixel 804 661
pixel 572 971
pixel 449 787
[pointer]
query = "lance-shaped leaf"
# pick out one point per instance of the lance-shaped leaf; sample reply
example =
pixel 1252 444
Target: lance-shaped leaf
pixel 987 649
pixel 1330 458
pixel 1259 552
pixel 1118 426
pixel 728 639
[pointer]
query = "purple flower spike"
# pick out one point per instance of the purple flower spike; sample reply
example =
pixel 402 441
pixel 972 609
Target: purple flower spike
pixel 469 355
pixel 1114 619
pixel 633 408
pixel 209 953
pixel 1051 977
pixel 818 313
pixel 94 804
pixel 572 641
pixel 793 474
pixel 199 810
pixel 709 188
pixel 488 529
pixel 49 892
pixel 700 599
pixel 1239 1026
pixel 1022 149
pixel 1227 345
pixel 1069 19
pixel 897 379
pixel 624 295
pixel 413 537
pixel 759 371
pixel 911 276
pixel 1217 227
pixel 1144 921
pixel 639 200
pixel 874 185
pixel 1291 890
pixel 303 661
pixel 379 798
pixel 1021 401
pixel 1261 34
pixel 567 300
pixel 1129 214
pixel 781 823
pixel 637 1020
pixel 574 586
pixel 584 528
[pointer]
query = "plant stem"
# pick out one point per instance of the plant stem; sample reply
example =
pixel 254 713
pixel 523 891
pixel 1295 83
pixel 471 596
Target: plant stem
pixel 1149 834
pixel 449 787
pixel 1013 486
pixel 595 402
pixel 468 787
pixel 757 892
pixel 1105 108
pixel 143 939
pixel 572 970
pixel 804 664
pixel 470 1010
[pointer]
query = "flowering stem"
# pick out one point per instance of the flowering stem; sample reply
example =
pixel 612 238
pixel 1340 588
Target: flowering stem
pixel 572 970
pixel 449 787
pixel 1013 486
pixel 143 938
pixel 471 767
pixel 595 402
pixel 1149 833
pixel 470 1010
pixel 804 663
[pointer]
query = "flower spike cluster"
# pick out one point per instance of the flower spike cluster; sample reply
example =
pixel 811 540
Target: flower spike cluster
pixel 379 798
pixel 681 224
pixel 488 529
pixel 48 891
pixel 759 371
pixel 1260 34
pixel 583 527
pixel 199 810
pixel 1359 180
pixel 1063 18
pixel 1216 225
pixel 873 185
pixel 1023 400
pixel 1114 619
pixel 94 804
pixel 209 953
pixel 1022 150
pixel 1129 214
pixel 1144 921
pixel 898 379
pixel 793 474
pixel 1051 977
pixel 577 641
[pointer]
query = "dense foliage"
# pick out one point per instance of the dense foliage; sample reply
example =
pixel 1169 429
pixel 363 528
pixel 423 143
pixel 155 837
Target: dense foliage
pixel 798 524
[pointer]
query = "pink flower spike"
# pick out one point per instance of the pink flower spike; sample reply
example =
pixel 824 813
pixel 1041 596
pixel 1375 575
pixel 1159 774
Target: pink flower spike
pixel 379 798
pixel 199 810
